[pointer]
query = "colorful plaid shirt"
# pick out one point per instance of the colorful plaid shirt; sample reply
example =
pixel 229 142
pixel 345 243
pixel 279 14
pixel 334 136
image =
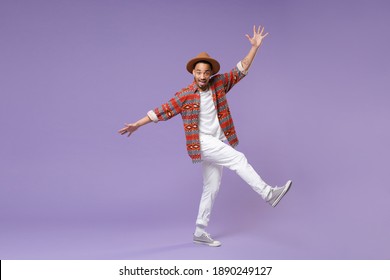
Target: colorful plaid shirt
pixel 187 103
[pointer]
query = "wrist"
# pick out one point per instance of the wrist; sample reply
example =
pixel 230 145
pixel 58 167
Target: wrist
pixel 255 48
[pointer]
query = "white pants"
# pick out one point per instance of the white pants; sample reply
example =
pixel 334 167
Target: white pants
pixel 216 155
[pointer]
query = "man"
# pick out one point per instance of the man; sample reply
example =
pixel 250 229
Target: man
pixel 208 125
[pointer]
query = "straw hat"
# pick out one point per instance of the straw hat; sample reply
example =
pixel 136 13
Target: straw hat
pixel 203 56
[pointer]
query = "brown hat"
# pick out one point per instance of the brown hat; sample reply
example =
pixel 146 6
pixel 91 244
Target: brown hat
pixel 203 56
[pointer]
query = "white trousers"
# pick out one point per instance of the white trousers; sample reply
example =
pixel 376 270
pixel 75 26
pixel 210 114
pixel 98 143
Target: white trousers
pixel 216 155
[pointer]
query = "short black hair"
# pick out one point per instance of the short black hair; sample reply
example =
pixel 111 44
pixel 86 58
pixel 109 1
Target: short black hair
pixel 204 61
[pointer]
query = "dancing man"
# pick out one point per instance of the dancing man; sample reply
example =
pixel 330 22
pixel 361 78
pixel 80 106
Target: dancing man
pixel 209 130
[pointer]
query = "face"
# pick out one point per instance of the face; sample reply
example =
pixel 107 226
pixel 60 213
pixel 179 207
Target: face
pixel 202 74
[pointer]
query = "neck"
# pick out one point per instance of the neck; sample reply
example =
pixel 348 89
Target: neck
pixel 206 88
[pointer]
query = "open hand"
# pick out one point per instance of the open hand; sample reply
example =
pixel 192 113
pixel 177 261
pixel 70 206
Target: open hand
pixel 258 36
pixel 128 128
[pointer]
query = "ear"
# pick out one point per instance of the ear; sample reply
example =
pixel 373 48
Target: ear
pixel 193 72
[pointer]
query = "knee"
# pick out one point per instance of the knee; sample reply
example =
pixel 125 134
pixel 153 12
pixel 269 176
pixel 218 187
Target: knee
pixel 211 187
pixel 239 162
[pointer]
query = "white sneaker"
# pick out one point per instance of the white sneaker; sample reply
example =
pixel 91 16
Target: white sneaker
pixel 206 239
pixel 278 193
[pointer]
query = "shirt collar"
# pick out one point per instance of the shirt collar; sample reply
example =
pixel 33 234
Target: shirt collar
pixel 194 87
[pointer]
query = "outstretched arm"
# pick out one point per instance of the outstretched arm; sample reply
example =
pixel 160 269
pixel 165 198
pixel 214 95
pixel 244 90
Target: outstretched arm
pixel 162 113
pixel 131 127
pixel 256 41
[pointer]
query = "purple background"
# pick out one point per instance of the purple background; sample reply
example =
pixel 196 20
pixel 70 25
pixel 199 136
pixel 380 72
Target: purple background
pixel 314 109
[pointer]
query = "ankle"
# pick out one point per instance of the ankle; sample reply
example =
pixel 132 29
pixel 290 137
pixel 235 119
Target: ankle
pixel 199 230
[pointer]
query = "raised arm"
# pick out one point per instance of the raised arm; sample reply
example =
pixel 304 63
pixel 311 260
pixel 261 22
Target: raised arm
pixel 256 41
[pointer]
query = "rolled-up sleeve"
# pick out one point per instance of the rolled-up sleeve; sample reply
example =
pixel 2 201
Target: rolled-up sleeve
pixel 241 69
pixel 152 115
pixel 233 77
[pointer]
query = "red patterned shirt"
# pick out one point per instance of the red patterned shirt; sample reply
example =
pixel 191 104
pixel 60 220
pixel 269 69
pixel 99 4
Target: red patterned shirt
pixel 187 103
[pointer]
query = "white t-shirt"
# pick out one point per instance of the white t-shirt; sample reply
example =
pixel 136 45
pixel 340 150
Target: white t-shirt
pixel 208 119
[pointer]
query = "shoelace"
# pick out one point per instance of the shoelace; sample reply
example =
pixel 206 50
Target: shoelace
pixel 208 235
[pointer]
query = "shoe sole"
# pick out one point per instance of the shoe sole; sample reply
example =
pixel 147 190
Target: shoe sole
pixel 208 244
pixel 288 185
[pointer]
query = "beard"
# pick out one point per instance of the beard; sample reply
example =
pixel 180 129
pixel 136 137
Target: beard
pixel 202 84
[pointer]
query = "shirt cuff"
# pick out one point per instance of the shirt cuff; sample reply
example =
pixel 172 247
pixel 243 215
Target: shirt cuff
pixel 239 66
pixel 152 115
